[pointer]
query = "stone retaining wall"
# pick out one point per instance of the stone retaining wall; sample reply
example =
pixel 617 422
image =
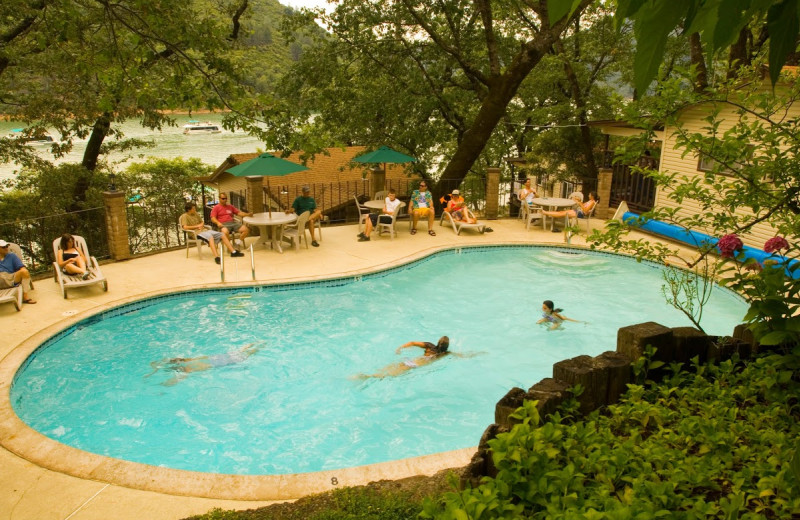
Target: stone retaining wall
pixel 604 378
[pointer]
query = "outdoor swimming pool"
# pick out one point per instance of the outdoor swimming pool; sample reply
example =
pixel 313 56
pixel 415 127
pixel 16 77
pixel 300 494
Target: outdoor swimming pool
pixel 293 406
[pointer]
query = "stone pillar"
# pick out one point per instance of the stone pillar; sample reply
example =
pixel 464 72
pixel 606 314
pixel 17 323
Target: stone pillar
pixel 377 181
pixel 604 192
pixel 116 225
pixel 492 193
pixel 255 194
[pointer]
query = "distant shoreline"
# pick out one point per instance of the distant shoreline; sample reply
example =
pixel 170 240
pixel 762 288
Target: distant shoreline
pixel 179 112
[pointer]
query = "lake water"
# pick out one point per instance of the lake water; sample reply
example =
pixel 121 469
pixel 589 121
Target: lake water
pixel 169 143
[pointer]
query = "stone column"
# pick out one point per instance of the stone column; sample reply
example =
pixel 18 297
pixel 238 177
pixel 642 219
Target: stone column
pixel 604 192
pixel 377 181
pixel 492 193
pixel 255 194
pixel 116 225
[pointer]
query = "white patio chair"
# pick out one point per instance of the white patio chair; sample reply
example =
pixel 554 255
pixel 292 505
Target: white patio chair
pixel 68 281
pixel 576 194
pixel 380 195
pixel 192 240
pixel 389 226
pixel 363 214
pixel 459 225
pixel 588 219
pixel 531 213
pixel 294 231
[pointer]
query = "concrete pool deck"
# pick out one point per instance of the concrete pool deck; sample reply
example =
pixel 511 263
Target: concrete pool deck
pixel 30 491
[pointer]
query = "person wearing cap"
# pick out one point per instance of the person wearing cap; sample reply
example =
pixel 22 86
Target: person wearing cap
pixel 13 272
pixel 192 221
pixel 222 216
pixel 305 202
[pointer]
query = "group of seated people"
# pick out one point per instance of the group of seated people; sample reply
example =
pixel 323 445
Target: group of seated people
pixel 582 210
pixel 223 217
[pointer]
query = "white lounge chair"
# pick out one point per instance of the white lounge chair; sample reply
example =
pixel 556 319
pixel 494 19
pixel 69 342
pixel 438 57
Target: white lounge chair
pixel 68 281
pixel 293 232
pixel 13 294
pixel 389 226
pixel 458 225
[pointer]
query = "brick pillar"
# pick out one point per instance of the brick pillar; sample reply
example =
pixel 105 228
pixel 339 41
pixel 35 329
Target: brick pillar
pixel 604 192
pixel 492 193
pixel 116 225
pixel 255 194
pixel 377 181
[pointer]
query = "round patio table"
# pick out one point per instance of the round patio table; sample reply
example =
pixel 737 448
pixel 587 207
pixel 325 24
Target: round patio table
pixel 270 227
pixel 375 204
pixel 554 204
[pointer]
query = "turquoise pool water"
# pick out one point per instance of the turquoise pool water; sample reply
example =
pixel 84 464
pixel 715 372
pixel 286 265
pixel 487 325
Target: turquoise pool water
pixel 292 406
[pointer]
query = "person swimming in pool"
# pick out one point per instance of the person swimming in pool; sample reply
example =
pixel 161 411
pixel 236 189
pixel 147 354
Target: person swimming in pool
pixel 431 354
pixel 552 316
pixel 201 363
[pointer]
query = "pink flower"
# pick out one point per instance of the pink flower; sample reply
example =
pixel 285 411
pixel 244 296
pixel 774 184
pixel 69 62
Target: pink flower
pixel 776 244
pixel 728 245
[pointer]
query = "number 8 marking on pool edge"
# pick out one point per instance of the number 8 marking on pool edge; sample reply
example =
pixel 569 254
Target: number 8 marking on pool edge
pixel 334 481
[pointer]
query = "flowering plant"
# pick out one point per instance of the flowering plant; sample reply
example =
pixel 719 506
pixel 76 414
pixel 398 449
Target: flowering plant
pixel 770 287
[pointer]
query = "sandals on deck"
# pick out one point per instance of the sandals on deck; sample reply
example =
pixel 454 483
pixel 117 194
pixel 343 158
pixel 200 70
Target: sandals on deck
pixel 432 232
pixel 413 231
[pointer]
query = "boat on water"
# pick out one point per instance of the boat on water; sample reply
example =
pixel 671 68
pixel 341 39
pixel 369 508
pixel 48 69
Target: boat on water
pixel 196 127
pixel 36 139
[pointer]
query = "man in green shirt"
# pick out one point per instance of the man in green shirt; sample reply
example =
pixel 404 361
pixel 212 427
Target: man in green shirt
pixel 306 202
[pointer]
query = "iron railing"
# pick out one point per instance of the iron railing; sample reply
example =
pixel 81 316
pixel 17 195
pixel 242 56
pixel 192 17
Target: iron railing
pixel 35 235
pixel 636 189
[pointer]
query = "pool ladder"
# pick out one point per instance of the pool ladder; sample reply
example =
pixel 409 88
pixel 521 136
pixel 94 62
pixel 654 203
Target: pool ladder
pixel 222 265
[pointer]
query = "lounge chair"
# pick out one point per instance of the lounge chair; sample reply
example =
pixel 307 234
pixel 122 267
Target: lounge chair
pixel 389 226
pixel 293 232
pixel 13 294
pixel 458 225
pixel 68 281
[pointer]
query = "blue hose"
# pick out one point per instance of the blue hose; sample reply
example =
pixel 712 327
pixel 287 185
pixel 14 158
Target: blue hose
pixel 697 239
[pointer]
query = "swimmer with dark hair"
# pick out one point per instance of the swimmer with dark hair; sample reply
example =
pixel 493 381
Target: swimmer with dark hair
pixel 552 315
pixel 431 354
pixel 201 363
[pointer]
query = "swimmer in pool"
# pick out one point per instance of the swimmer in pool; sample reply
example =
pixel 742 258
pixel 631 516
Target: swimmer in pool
pixel 552 315
pixel 431 354
pixel 201 363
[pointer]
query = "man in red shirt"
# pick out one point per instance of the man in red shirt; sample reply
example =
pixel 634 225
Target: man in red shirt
pixel 222 216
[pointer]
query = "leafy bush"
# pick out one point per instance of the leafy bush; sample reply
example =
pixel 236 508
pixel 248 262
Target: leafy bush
pixel 717 443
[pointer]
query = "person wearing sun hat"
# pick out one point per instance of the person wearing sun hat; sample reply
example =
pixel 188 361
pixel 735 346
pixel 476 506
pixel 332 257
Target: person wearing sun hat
pixel 13 272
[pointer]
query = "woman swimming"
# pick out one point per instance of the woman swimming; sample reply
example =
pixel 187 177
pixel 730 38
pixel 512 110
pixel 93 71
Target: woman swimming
pixel 552 316
pixel 201 363
pixel 432 353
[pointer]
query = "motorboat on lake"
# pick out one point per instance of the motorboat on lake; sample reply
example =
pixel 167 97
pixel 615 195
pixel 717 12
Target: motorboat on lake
pixel 196 127
pixel 36 139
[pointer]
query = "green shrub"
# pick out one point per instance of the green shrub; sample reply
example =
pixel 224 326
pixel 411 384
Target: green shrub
pixel 717 443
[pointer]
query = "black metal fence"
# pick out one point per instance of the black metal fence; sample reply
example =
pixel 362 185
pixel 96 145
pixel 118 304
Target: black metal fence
pixel 35 236
pixel 636 189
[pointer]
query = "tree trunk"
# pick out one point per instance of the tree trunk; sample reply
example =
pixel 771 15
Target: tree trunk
pixel 739 55
pixel 696 54
pixel 580 103
pixel 99 132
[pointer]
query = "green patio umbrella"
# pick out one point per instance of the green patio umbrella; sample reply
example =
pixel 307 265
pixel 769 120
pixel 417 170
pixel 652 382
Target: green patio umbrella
pixel 384 155
pixel 266 165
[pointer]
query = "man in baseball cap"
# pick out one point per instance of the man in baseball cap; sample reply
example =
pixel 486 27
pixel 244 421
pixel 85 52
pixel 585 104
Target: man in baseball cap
pixel 13 272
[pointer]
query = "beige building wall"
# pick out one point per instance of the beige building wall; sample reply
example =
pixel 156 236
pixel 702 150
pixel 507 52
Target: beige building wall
pixel 674 161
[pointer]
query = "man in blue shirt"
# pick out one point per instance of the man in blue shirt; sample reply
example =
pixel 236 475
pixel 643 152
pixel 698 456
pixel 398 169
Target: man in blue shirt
pixel 13 272
pixel 303 203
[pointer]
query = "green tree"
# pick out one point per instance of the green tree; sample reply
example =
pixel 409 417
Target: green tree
pixel 431 79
